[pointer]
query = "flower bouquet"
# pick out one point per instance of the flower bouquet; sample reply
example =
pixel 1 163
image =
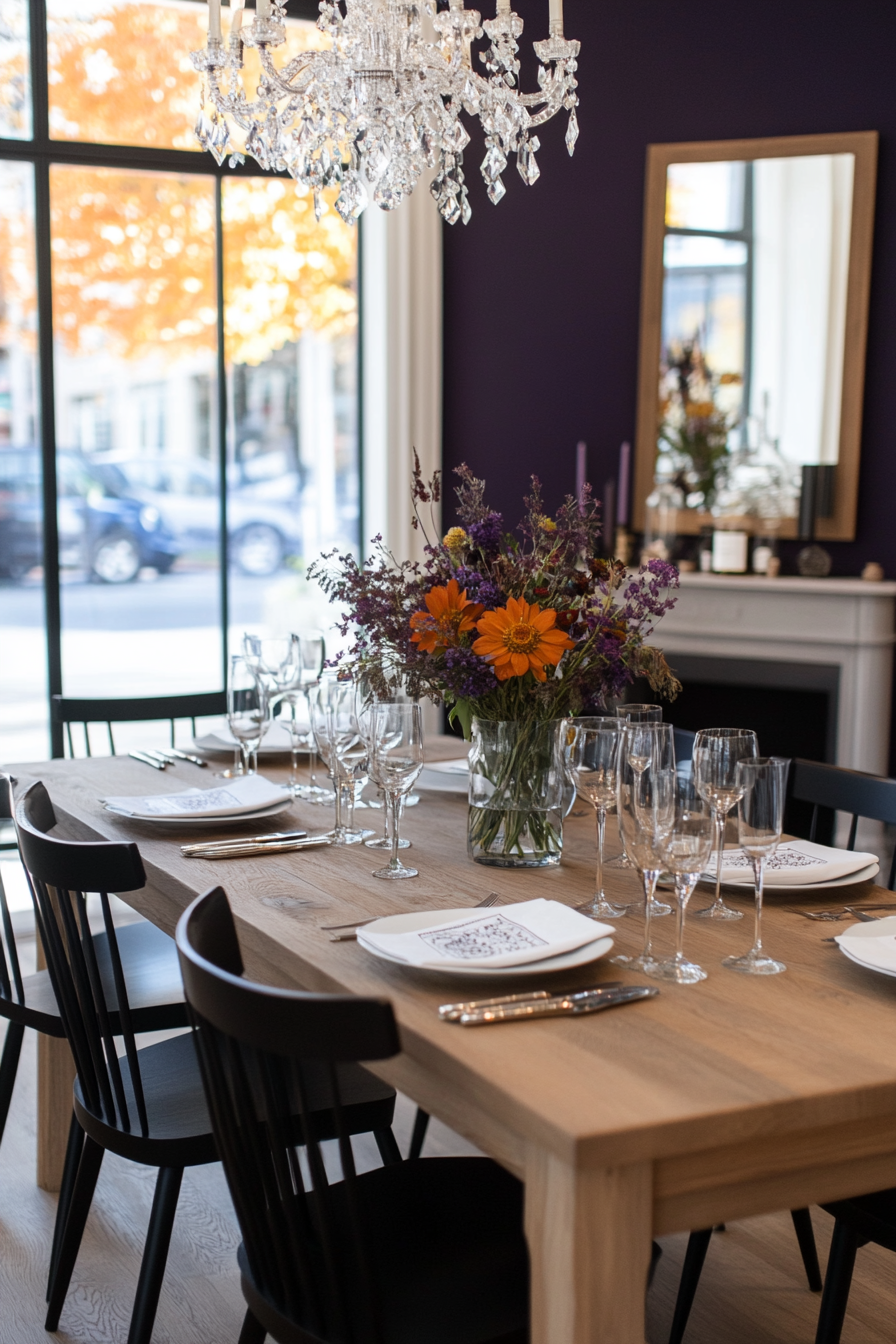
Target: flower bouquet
pixel 514 633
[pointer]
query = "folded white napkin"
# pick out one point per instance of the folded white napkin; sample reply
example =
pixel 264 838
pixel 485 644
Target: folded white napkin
pixel 879 952
pixel 458 767
pixel 247 794
pixel 794 864
pixel 276 738
pixel 513 935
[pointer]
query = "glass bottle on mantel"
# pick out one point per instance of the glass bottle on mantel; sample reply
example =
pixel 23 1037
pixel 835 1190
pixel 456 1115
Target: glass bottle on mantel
pixel 730 537
pixel 661 518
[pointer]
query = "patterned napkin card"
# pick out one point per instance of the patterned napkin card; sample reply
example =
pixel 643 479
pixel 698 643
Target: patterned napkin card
pixel 794 864
pixel 514 935
pixel 247 794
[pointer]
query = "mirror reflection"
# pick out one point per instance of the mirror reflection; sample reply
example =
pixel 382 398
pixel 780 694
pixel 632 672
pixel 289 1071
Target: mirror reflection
pixel 755 277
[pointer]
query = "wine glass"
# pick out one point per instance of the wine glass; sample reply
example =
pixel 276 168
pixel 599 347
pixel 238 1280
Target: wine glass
pixel 365 704
pixel 716 754
pixel 594 763
pixel 685 849
pixel 395 762
pixel 645 801
pixel 760 816
pixel 247 710
pixel 312 655
pixel 636 714
pixel 349 754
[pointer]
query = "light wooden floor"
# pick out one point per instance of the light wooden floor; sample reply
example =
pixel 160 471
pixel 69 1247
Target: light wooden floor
pixel 752 1290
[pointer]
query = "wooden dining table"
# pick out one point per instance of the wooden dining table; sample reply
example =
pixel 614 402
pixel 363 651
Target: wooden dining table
pixel 736 1096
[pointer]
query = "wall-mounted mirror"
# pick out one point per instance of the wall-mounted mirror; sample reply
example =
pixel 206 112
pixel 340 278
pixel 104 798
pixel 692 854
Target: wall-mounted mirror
pixel 754 308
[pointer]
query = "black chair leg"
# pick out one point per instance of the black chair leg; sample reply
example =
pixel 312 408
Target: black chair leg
pixel 389 1149
pixel 802 1225
pixel 698 1245
pixel 253 1332
pixel 9 1064
pixel 421 1123
pixel 70 1239
pixel 66 1191
pixel 837 1281
pixel 155 1254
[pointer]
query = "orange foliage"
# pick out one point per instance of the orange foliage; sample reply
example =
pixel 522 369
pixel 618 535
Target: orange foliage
pixel 134 251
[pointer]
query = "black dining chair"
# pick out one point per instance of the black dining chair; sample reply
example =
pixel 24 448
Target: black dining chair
pixel 171 707
pixel 149 959
pixel 851 791
pixel 870 1218
pixel 420 1251
pixel 147 1105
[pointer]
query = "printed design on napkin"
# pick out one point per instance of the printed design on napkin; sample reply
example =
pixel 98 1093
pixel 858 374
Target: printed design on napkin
pixel 191 802
pixel 781 859
pixel 493 936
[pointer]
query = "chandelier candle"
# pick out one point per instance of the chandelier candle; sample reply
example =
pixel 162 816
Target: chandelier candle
pixel 370 115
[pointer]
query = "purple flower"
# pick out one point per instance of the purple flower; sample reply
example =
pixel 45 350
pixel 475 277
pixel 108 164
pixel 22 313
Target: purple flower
pixel 467 675
pixel 488 533
pixel 479 587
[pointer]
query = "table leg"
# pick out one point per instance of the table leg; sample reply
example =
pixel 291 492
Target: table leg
pixel 589 1234
pixel 55 1075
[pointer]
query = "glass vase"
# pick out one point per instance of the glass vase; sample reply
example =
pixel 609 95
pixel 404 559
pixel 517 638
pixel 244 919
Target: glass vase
pixel 517 778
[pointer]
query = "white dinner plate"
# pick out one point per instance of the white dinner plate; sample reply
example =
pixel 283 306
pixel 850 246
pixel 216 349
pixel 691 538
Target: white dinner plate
pixel 216 744
pixel 424 919
pixel 270 811
pixel 873 929
pixel 443 781
pixel 792 888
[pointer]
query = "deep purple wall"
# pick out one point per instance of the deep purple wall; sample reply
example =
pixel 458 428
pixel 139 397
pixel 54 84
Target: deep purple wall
pixel 542 291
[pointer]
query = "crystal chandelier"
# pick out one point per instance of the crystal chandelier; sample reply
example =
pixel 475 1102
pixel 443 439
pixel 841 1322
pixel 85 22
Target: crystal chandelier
pixel 384 103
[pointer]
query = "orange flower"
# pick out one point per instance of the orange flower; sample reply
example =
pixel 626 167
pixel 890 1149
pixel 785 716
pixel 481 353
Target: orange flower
pixel 448 616
pixel 518 638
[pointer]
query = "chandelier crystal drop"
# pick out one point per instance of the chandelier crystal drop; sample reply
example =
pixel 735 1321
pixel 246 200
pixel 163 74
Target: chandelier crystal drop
pixel 384 103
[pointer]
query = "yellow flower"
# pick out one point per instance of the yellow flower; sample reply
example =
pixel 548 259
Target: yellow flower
pixel 547 524
pixel 520 638
pixel 455 539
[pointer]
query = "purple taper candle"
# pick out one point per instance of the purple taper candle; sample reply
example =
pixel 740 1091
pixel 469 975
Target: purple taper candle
pixel 581 458
pixel 625 464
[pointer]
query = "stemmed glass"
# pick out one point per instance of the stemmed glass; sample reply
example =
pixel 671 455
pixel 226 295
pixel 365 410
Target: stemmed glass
pixel 247 711
pixel 395 762
pixel 312 654
pixel 637 714
pixel 716 755
pixel 645 801
pixel 365 705
pixel 594 763
pixel 685 849
pixel 760 817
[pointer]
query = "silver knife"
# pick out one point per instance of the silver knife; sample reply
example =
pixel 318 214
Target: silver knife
pixel 452 1012
pixel 286 847
pixel 183 756
pixel 146 760
pixel 569 1005
pixel 272 837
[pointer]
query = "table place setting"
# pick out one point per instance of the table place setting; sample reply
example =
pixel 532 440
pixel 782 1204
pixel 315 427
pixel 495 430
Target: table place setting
pixel 799 863
pixel 871 944
pixel 248 796
pixel 527 938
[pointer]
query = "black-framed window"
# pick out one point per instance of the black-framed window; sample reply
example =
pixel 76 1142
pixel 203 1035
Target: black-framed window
pixel 178 369
pixel 708 267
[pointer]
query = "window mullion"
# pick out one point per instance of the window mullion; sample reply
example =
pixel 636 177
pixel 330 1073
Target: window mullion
pixel 223 544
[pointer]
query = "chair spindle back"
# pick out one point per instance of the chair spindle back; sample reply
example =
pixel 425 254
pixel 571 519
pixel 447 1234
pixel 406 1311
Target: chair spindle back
pixel 60 875
pixel 307 1240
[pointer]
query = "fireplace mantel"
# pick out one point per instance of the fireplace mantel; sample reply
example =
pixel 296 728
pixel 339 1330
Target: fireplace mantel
pixel 842 628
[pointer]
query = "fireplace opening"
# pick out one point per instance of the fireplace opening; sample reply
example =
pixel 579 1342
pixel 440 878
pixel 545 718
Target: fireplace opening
pixel 791 706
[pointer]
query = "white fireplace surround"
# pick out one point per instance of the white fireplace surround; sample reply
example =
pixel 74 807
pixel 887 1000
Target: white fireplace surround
pixel 843 624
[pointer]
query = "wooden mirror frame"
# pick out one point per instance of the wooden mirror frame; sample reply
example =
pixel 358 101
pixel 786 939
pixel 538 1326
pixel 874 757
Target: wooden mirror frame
pixel 841 525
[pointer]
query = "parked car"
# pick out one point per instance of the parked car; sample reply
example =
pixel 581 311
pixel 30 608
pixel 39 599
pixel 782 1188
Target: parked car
pixel 262 532
pixel 108 533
